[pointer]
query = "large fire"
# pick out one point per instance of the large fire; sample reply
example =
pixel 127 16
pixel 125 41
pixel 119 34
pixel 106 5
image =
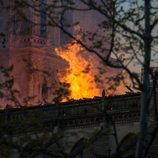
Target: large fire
pixel 80 74
pixel 84 73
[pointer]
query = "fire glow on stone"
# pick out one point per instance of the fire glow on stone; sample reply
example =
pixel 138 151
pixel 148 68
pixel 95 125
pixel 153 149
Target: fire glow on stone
pixel 80 73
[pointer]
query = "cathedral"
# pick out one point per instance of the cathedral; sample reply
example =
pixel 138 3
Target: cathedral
pixel 28 44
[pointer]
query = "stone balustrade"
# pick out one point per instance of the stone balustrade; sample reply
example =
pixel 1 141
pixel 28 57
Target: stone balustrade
pixel 73 114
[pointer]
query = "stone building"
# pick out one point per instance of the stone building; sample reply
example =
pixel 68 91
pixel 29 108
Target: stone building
pixel 30 49
pixel 28 44
pixel 89 128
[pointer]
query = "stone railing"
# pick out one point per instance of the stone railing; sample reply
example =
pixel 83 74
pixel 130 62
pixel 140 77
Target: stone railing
pixel 73 114
pixel 29 40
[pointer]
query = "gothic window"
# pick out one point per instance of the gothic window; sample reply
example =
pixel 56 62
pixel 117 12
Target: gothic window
pixel 21 25
pixel 44 90
pixel 66 20
pixel 43 18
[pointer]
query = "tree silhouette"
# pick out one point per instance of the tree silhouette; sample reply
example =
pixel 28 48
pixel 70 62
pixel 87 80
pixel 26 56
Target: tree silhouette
pixel 129 28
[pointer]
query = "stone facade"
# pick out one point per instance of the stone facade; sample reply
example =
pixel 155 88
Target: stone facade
pixel 31 52
pixel 30 48
pixel 89 120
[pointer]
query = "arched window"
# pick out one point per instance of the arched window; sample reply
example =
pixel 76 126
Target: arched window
pixel 44 90
pixel 67 21
pixel 43 18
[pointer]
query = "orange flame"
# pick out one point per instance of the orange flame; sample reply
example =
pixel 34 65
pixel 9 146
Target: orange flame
pixel 80 74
